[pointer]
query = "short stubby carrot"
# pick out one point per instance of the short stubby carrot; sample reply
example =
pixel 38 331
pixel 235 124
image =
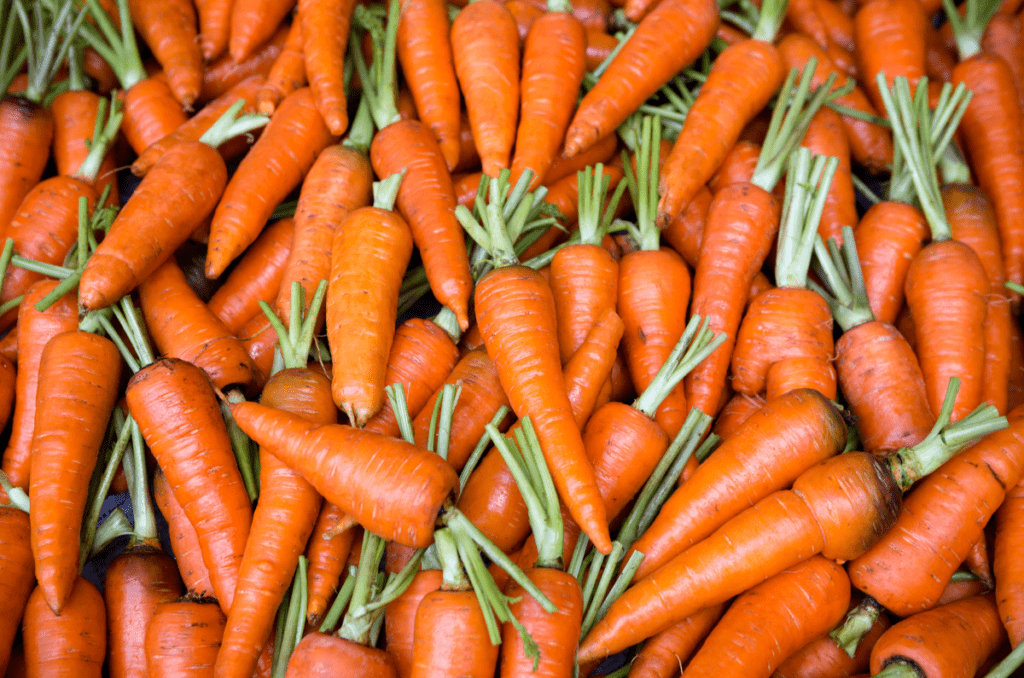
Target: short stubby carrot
pixel 320 655
pixel 73 643
pixel 465 650
pixel 325 30
pixel 824 657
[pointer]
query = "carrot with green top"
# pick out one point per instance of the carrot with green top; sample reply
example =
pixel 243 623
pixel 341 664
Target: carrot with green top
pixel 846 651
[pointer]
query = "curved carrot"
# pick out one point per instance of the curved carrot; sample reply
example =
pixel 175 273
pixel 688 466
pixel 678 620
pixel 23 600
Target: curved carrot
pixel 214 26
pixel 183 637
pixel 288 73
pixel 169 28
pixel 889 236
pixel 16 575
pixel 254 22
pixel 183 538
pixel 71 643
pixel 325 29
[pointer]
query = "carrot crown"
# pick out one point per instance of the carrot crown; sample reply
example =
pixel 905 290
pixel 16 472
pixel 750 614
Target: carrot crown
pixel 16 497
pixel 643 185
pixel 118 48
pixel 857 623
pixel 295 341
pixel 969 29
pixel 908 465
pixel 770 20
pixel 378 79
pixel 103 136
pixel 593 188
pixel 563 6
pixel 843 288
pixel 46 45
pixel 807 184
pixel 230 125
pixel 921 136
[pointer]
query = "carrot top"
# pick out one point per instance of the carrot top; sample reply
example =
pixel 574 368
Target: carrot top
pixel 592 223
pixel 379 77
pixel 16 496
pixel 295 341
pixel 103 136
pixel 856 624
pixel 843 288
pixel 643 185
pixel 11 62
pixel 230 125
pixel 807 184
pixel 969 29
pixel 769 20
pixel 118 48
pixel 46 44
pixel 1009 664
pixel 122 426
pixel 291 620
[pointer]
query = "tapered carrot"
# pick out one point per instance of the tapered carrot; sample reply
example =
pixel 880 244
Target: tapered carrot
pixel 890 39
pixel 888 236
pixel 773 620
pixel 288 73
pixel 254 22
pixel 327 554
pixel 325 29
pixel 184 637
pixel 646 62
pixel 72 643
pixel 214 26
pixel 16 567
pixel 663 654
pixel 184 540
pixel 247 203
pixel 224 73
pixel 169 28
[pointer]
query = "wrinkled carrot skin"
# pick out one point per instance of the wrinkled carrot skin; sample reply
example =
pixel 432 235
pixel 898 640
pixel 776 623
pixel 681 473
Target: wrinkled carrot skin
pixel 735 413
pixel 769 451
pixel 585 284
pixel 425 55
pixel 224 73
pixel 485 50
pixel 281 526
pixel 641 67
pixel 557 633
pixel 993 142
pixel 177 412
pixel 169 28
pixel 970 485
pixel 664 653
pixel 325 29
pixel 737 167
pixel 464 650
pixel 946 291
pixel 136 582
pixel 515 310
pixel 344 465
pixel 741 226
pixel 248 202
pixel 254 22
pixel 74 121
pixel 815 517
pixel 182 326
pixel 256 278
pixel 79 379
pixel 327 556
pixel 870 144
pixel 426 199
pixel 17 577
pixel 324 655
pixel 150 113
pixel 953 640
pixel 157 220
pixel 35 330
pixel 183 638
pixel 890 405
pixel 197 125
pixel 26 128
pixel 214 26
pixel 72 643
pixel 400 619
pixel 773 620
pixel 890 39
pixel 287 74
pixel 823 657
pixel 184 540
pixel 1006 563
pixel 889 236
pixel 739 85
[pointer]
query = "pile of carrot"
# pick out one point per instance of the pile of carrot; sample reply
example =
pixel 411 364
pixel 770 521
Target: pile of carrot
pixel 512 337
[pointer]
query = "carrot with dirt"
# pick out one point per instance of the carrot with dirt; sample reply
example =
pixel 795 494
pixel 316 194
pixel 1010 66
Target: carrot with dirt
pixel 248 201
pixel 741 81
pixel 773 620
pixel 325 31
pixel 891 404
pixel 164 209
pixel 288 72
pixel 811 518
pixel 252 23
pixel 184 637
pixel 184 539
pixel 214 26
pixel 71 643
pixel 169 29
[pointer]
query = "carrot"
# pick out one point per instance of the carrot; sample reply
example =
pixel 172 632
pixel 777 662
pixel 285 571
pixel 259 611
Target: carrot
pixel 325 29
pixel 978 563
pixel 30 128
pixel 437 654
pixel 184 637
pixel 327 553
pixel 161 397
pixel 75 115
pixel 224 73
pixel 737 167
pixel 940 59
pixel 469 158
pixel 741 81
pixel 816 518
pixel 150 113
pixel 601 152
pixel 890 38
pixel 214 26
pixel 773 620
pixel 254 22
pixel 256 278
pixel 753 463
pixel 828 655
pixel 319 654
pixel 35 330
pixel 288 73
pixel 169 28
pixel 71 643
pixel 183 538
pixel 8 382
pixel 163 211
pixel 664 653
pixel 735 413
pixel 17 575
pixel 954 639
pixel 525 14
pixel 826 136
pixel 646 61
pixel 400 619
pixel 9 345
pixel 485 50
pixel 247 203
pixel 197 125
pixel 1006 567
pixel 1003 37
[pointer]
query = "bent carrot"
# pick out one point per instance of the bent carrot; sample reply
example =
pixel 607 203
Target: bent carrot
pixel 664 653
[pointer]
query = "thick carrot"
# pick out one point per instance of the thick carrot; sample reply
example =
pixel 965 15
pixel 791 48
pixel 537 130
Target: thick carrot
pixel 74 121
pixel 16 576
pixel 27 128
pixel 184 638
pixel 183 327
pixel 224 73
pixel 35 330
pixel 890 39
pixel 325 29
pixel 737 167
pixel 214 26
pixel 663 654
pixel 254 22
pixel 320 655
pixel 647 61
pixel 183 538
pixel 288 73
pixel 485 49
pixel 150 113
pixel 169 28
pixel 773 620
pixel 72 643
pixel 400 619
pixel 889 236
pixel 465 648
pixel 1006 564
pixel 174 405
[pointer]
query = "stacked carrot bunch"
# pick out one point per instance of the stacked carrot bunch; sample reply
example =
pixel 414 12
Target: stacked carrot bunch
pixel 671 402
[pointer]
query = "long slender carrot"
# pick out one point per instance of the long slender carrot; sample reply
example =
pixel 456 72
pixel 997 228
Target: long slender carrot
pixel 16 575
pixel 663 654
pixel 325 29
pixel 254 22
pixel 224 73
pixel 214 26
pixel 288 73
pixel 169 28
pixel 183 538
pixel 184 637
pixel 71 643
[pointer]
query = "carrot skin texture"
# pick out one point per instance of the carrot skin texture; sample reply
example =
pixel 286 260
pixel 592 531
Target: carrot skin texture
pixel 325 29
pixel 136 582
pixel 400 619
pixel 25 128
pixel 321 654
pixel 642 66
pixel 72 643
pixel 427 201
pixel 17 575
pixel 823 657
pixel 214 26
pixel 889 236
pixel 686 231
pixel 1006 563
pixel 952 640
pixel 188 447
pixel 465 650
pixel 773 620
pixel 183 638
pixel 664 653
pixel 157 220
pixel 890 38
pixel 741 81
pixel 556 633
pixel 287 74
pixel 248 200
pixel 188 556
pixel 827 136
pixel 169 28
pixel 150 113
pixel 528 365
pixel 254 22
pixel 224 73
pixel 327 553
pixel 769 451
pixel 735 413
pixel 74 120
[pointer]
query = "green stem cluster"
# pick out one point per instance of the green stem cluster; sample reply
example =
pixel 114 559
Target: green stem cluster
pixel 697 343
pixel 843 281
pixel 807 184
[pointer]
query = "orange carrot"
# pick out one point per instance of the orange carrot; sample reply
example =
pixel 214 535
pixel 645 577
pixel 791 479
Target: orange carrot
pixel 826 136
pixel 889 236
pixel 169 28
pixel 288 73
pixel 327 553
pixel 184 637
pixel 890 39
pixel 325 29
pixel 184 540
pixel 1006 566
pixel 214 26
pixel 827 657
pixel 664 653
pixel 16 575
pixel 74 121
pixel 254 22
pixel 150 113
pixel 71 643
pixel 224 73
pixel 400 619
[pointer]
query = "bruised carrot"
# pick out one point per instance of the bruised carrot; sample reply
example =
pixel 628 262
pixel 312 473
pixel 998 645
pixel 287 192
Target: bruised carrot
pixel 169 28
pixel 288 73
pixel 183 538
pixel 71 643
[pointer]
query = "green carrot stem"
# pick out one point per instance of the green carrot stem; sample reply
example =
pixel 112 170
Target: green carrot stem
pixel 855 626
pixel 294 622
pixel 386 192
pixel 478 452
pixel 1009 665
pixel 118 48
pixel 104 134
pixel 843 289
pixel 99 495
pixel 230 125
pixel 643 184
pixel 807 184
pixel 240 444
pixel 135 472
pixel 116 525
pixel 400 407
pixel 341 601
